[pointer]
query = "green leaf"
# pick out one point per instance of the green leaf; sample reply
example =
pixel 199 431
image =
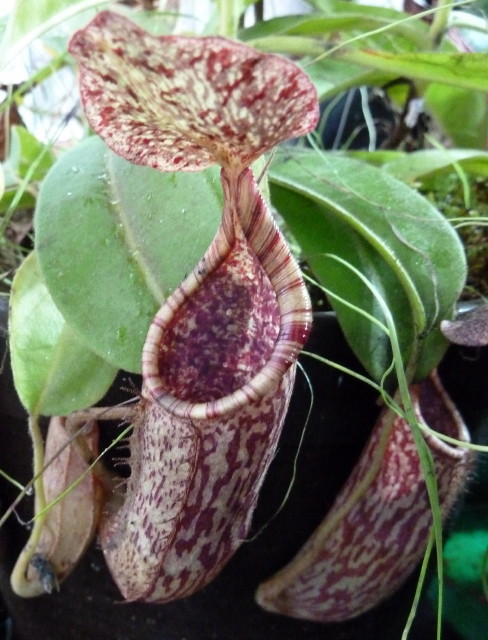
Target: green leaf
pixel 26 200
pixel 54 372
pixel 464 557
pixel 273 27
pixel 115 239
pixel 28 20
pixel 465 70
pixel 419 164
pixel 377 158
pixel 28 154
pixel 462 114
pixel 333 76
pixel 402 244
pixel 464 551
pixel 333 6
pixel 344 20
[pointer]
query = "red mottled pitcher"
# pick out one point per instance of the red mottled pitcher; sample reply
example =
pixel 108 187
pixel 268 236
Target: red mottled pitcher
pixel 377 529
pixel 219 359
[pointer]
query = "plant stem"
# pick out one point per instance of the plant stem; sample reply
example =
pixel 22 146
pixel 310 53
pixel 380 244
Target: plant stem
pixel 36 79
pixel 73 422
pixel 439 23
pixel 19 574
pixel 420 584
pixel 38 464
pixel 291 45
pixel 229 14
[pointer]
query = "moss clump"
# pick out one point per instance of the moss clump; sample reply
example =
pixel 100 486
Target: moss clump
pixel 447 193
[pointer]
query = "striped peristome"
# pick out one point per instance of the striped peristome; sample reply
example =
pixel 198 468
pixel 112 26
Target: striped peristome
pixel 219 358
pixel 245 214
pixel 377 529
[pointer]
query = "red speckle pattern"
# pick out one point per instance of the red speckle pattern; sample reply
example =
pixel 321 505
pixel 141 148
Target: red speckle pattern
pixel 219 359
pixel 183 103
pixel 377 529
pixel 190 497
pixel 244 308
pixel 218 366
pixel 217 340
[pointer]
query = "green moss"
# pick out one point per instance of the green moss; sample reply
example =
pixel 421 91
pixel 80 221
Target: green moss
pixel 447 194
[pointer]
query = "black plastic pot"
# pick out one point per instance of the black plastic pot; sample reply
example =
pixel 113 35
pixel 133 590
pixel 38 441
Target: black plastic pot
pixel 89 605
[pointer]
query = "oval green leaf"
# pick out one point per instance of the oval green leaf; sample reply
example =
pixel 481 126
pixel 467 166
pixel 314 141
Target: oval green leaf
pixel 419 164
pixel 461 113
pixel 466 572
pixel 330 77
pixel 54 372
pixel 412 166
pixel 114 239
pixel 28 158
pixel 460 70
pixel 337 205
pixel 344 20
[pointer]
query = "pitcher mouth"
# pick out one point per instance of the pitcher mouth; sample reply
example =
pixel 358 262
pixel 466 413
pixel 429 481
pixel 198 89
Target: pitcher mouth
pixel 290 335
pixel 247 240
